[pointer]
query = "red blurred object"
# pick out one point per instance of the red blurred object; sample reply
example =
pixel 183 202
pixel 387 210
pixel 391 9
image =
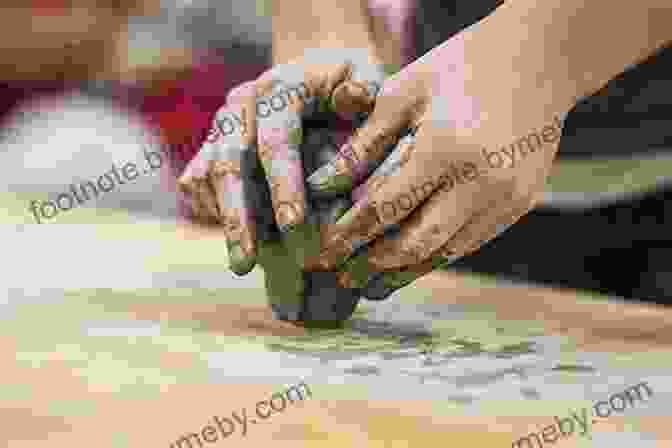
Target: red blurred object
pixel 183 109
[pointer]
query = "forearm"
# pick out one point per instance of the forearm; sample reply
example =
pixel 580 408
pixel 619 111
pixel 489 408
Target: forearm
pixel 300 24
pixel 579 45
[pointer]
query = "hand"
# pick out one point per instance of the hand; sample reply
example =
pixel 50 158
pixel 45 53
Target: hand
pixel 294 295
pixel 223 179
pixel 473 157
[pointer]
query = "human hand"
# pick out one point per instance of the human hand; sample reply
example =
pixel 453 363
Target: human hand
pixel 227 185
pixel 223 176
pixel 474 163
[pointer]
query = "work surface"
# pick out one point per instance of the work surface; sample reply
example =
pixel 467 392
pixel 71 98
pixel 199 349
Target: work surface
pixel 122 330
pixel 130 333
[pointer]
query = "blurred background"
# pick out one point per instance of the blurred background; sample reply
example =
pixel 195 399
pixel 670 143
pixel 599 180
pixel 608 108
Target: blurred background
pixel 89 83
pixel 120 309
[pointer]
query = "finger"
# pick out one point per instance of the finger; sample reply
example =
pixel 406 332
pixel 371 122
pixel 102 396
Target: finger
pixel 283 98
pixel 461 191
pixel 390 166
pixel 444 214
pixel 282 152
pixel 358 274
pixel 279 140
pixel 469 239
pixel 194 183
pixel 386 283
pixel 320 146
pixel 470 207
pixel 231 153
pixel 345 81
pixel 244 100
pixel 382 204
pixel 406 257
pixel 389 121
pixel 487 226
pixel 368 267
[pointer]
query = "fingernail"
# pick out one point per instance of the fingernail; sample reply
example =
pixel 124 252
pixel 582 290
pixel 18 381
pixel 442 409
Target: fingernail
pixel 240 262
pixel 295 136
pixel 287 217
pixel 326 180
pixel 391 69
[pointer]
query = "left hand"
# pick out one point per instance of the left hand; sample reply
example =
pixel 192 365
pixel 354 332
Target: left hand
pixel 475 162
pixel 227 184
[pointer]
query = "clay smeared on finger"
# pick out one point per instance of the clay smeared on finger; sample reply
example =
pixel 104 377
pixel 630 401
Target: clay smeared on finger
pixel 236 215
pixel 195 184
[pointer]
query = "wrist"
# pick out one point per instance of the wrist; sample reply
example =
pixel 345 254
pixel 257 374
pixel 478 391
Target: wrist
pixel 596 49
pixel 299 25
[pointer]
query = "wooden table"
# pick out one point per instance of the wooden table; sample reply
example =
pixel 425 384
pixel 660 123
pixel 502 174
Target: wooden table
pixel 164 339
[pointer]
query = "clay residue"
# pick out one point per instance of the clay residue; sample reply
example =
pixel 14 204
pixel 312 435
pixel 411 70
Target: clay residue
pixel 221 319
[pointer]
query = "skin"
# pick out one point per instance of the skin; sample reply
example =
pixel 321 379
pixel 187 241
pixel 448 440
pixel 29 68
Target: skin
pixel 445 98
pixel 298 25
pixel 449 99
pixel 239 199
pixel 217 182
pixel 314 72
pixel 312 54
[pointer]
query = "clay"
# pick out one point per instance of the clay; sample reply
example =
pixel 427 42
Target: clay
pixel 309 298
